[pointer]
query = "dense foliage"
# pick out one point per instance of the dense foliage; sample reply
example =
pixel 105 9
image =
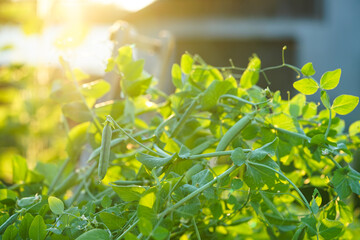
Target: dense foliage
pixel 221 158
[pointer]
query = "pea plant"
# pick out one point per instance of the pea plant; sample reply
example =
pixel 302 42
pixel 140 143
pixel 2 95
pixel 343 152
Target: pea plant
pixel 221 158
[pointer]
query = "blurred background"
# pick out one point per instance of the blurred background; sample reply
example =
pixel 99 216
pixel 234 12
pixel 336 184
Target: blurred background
pixel 37 32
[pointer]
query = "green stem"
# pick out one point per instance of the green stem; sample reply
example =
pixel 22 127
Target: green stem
pixel 184 117
pixel 335 162
pixel 287 179
pixel 57 177
pixel 127 230
pixel 196 229
pixel 214 154
pixel 198 191
pixel 132 138
pixel 241 99
pixel 329 125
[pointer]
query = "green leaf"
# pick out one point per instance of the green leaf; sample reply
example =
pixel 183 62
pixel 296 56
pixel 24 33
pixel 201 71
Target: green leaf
pixel 124 56
pixel 346 213
pixel 77 111
pixel 308 69
pixel 236 184
pixel 306 86
pixel 112 221
pixel 133 70
pixel 257 176
pixel 145 226
pixel 354 128
pixel 160 233
pixel 106 202
pixel 137 87
pixel 251 75
pixel 345 181
pixel 152 161
pixel 238 156
pixel 37 230
pixel 310 222
pixel 268 149
pixel 186 63
pixel 330 80
pixel 315 201
pixel 95 89
pixel 300 233
pixel 110 65
pixel 330 229
pixel 94 234
pixel 26 202
pixel 56 205
pixel 200 179
pixel 20 169
pixel 345 104
pixel 25 225
pixel 213 92
pixel 147 205
pixel 7 195
pixel 128 193
pixel 318 139
pixel 176 76
pixel 325 99
pixel 10 233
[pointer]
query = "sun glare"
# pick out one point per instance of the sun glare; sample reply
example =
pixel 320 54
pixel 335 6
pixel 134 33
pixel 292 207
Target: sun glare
pixel 128 5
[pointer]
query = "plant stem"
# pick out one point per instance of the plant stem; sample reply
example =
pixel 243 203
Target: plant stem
pixel 214 154
pixel 58 175
pixel 287 179
pixel 335 162
pixel 185 116
pixel 198 191
pixel 127 230
pixel 329 125
pixel 132 138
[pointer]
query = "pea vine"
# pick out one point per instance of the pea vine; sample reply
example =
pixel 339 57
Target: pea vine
pixel 220 158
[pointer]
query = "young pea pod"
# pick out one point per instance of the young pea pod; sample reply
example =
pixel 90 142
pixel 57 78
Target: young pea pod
pixel 234 131
pixel 8 222
pixel 105 150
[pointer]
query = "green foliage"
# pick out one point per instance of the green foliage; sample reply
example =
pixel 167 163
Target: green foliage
pixel 220 158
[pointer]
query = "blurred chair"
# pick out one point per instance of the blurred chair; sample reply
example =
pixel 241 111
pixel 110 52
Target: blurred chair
pixel 157 53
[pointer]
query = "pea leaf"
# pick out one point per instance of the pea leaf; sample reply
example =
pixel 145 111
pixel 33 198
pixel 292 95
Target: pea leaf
pixel 345 181
pixel 310 222
pixel 186 63
pixel 152 161
pixel 257 176
pixel 308 69
pixel 95 89
pixel 128 193
pixel 325 99
pixel 306 86
pixel 25 225
pixel 94 234
pixel 176 76
pixel 267 149
pixel 213 92
pixel 160 233
pixel 124 56
pixel 238 156
pixel 56 205
pixel 330 229
pixel 345 104
pixel 10 233
pixel 145 226
pixel 354 128
pixel 251 75
pixel 330 80
pixel 37 230
pixel 112 221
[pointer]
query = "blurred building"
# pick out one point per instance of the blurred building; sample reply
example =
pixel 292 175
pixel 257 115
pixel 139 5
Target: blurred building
pixel 323 32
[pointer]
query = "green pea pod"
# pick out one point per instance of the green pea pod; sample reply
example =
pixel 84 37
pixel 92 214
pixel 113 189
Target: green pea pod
pixel 70 181
pixel 8 222
pixel 234 131
pixel 105 150
pixel 193 170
